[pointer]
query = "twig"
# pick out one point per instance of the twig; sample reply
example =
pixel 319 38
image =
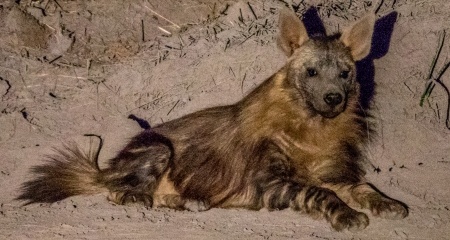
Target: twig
pixel 404 83
pixel 241 18
pixel 224 12
pixel 246 39
pixel 165 31
pixel 56 58
pixel 251 9
pixel 447 118
pixel 431 85
pixel 438 53
pixel 285 3
pixel 7 83
pixel 60 6
pixel 142 105
pixel 230 69
pixel 427 93
pixel 442 71
pixel 432 82
pixel 242 83
pixel 227 44
pixel 173 107
pixel 393 3
pixel 142 29
pixel 438 80
pixel 379 6
pixel 159 15
pixel 181 41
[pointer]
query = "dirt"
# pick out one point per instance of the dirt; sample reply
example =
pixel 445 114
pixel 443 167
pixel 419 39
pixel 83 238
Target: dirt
pixel 69 68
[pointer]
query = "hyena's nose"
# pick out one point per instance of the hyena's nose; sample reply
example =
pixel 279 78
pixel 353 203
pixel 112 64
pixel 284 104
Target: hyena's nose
pixel 333 99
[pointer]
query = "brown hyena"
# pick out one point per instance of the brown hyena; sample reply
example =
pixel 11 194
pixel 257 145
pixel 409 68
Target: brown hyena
pixel 294 142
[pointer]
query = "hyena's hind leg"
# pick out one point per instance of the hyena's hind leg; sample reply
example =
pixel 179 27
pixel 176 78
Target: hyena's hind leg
pixel 167 196
pixel 365 195
pixel 134 174
pixel 139 173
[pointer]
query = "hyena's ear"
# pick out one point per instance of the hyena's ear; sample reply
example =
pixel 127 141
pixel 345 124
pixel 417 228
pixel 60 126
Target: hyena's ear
pixel 358 37
pixel 292 32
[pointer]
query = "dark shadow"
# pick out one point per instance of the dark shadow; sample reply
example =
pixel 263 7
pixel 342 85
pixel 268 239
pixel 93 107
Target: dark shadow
pixel 313 23
pixel 365 71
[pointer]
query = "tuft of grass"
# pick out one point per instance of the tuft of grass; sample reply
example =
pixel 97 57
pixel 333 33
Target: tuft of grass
pixel 433 81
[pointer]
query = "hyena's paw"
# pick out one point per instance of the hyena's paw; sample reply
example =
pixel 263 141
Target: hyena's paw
pixel 389 209
pixel 196 206
pixel 175 201
pixel 351 220
pixel 127 198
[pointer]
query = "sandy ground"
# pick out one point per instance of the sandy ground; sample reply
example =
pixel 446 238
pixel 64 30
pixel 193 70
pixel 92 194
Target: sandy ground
pixel 68 68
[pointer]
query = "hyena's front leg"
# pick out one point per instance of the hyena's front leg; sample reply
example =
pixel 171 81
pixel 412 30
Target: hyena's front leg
pixel 315 201
pixel 279 191
pixel 365 195
pixel 381 205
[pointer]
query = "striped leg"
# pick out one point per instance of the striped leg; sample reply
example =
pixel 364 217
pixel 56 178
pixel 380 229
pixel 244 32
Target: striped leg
pixel 365 195
pixel 315 201
pixel 279 191
pixel 381 205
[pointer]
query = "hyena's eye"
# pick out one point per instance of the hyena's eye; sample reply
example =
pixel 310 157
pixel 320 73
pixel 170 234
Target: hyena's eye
pixel 344 74
pixel 311 72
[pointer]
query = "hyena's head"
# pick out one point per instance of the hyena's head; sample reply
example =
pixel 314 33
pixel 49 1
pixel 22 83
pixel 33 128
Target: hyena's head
pixel 322 68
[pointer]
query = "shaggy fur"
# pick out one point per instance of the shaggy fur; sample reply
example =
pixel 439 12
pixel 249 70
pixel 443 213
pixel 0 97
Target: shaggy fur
pixel 294 142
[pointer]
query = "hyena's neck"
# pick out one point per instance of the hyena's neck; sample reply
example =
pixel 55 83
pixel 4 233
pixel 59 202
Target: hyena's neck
pixel 270 112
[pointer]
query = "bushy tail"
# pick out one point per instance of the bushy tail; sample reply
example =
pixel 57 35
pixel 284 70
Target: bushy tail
pixel 68 172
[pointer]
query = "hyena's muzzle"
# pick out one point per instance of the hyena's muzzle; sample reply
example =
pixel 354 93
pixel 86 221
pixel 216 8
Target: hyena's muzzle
pixel 327 92
pixel 332 101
